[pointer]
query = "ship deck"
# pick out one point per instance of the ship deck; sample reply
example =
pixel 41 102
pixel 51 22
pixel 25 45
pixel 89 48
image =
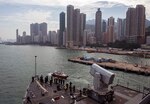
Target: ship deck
pixel 46 94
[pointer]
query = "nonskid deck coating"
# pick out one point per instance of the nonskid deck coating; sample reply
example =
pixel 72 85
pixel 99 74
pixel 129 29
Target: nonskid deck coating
pixel 122 95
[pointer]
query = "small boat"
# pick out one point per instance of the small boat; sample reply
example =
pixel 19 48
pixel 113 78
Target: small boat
pixel 60 74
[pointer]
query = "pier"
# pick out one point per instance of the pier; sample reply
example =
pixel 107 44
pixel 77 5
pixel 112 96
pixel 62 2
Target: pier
pixel 121 66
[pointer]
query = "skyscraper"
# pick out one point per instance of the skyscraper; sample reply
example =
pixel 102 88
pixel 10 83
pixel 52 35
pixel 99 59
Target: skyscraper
pixel 140 23
pixel 69 37
pixel 38 32
pixel 135 24
pixel 98 33
pixel 43 28
pixel 120 26
pixel 110 30
pixel 82 27
pixel 104 26
pixel 130 24
pixel 76 27
pixel 34 31
pixel 17 36
pixel 61 28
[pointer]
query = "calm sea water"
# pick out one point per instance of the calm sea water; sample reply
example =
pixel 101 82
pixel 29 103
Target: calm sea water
pixel 17 67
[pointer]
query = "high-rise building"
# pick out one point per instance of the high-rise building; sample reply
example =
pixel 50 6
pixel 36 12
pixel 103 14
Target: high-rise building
pixel 34 31
pixel 98 33
pixel 140 23
pixel 124 30
pixel 130 24
pixel 38 32
pixel 43 32
pixel 120 31
pixel 43 28
pixel 110 30
pixel 104 26
pixel 76 27
pixel 17 36
pixel 61 28
pixel 135 24
pixel 82 27
pixel 69 37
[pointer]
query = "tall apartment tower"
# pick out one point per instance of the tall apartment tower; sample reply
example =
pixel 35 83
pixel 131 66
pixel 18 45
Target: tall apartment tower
pixel 17 36
pixel 43 32
pixel 104 26
pixel 98 20
pixel 69 37
pixel 140 23
pixel 124 36
pixel 130 24
pixel 43 28
pixel 120 25
pixel 34 30
pixel 110 30
pixel 61 28
pixel 76 27
pixel 135 24
pixel 82 27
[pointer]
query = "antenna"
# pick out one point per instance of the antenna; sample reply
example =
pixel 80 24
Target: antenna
pixel 35 66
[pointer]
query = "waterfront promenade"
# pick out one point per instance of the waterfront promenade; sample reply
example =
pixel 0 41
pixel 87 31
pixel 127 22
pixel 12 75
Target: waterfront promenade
pixel 122 66
pixel 116 51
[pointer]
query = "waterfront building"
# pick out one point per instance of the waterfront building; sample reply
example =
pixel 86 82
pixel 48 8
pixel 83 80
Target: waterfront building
pixel 64 38
pixel 110 30
pixel 76 27
pixel 85 38
pixel 70 14
pixel 98 33
pixel 34 31
pixel 120 31
pixel 53 37
pixel 61 28
pixel 17 36
pixel 43 32
pixel 104 24
pixel 135 24
pixel 105 38
pixel 38 32
pixel 148 40
pixel 124 30
pixel 23 38
pixel 82 28
pixel 43 28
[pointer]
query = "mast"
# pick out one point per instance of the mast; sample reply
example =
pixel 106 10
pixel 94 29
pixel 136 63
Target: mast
pixel 35 66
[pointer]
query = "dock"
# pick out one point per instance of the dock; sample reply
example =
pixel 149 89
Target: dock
pixel 121 66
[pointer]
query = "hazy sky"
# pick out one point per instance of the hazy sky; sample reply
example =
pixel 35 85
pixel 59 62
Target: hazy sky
pixel 19 14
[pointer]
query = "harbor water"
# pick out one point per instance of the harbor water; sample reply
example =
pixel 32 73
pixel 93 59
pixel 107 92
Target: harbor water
pixel 17 68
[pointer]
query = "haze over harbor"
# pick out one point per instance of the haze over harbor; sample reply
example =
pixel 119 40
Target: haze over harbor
pixel 19 14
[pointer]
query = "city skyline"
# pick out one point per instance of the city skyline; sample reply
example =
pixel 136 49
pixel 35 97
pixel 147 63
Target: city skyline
pixel 20 14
